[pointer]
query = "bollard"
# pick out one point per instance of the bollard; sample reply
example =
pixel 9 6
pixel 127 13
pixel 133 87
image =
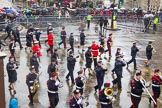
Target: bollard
pixel 2 87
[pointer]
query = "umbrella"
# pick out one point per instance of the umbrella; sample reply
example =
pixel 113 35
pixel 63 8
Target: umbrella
pixel 9 11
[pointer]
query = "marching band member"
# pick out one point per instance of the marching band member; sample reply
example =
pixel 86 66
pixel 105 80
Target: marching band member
pixel 70 65
pixel 134 50
pixel 118 69
pixel 55 56
pixel 34 62
pixel 12 74
pixel 29 37
pixel 52 68
pixel 79 81
pixel 149 50
pixel 53 85
pixel 37 35
pixel 136 89
pixel 95 49
pixel 89 60
pixel 76 100
pixel 36 48
pixel 30 80
pixel 50 42
pixel 102 46
pixel 109 44
pixel 106 97
pixel 156 82
pixel 100 73
pixel 12 46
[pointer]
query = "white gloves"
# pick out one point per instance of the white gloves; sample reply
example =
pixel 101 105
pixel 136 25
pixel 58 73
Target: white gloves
pixel 57 83
pixel 79 101
pixel 109 97
pixel 31 87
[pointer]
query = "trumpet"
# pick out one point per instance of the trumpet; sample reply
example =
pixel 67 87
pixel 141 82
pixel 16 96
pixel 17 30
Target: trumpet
pixel 108 92
pixel 143 81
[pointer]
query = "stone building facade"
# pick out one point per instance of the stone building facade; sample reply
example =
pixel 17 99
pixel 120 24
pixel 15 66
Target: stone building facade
pixel 154 4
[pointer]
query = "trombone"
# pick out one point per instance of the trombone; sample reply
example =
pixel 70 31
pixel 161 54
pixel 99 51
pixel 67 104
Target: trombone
pixel 142 82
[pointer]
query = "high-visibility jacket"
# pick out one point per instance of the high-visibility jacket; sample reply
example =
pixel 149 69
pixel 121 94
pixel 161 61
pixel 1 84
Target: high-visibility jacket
pixel 89 17
pixel 156 20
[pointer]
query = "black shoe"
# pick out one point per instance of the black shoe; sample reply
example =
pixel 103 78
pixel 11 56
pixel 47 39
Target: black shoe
pixel 105 58
pixel 25 49
pixel 127 65
pixel 150 100
pixel 67 79
pixel 95 89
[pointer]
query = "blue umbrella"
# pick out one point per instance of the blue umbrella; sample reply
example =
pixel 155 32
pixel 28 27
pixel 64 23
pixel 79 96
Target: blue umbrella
pixel 9 11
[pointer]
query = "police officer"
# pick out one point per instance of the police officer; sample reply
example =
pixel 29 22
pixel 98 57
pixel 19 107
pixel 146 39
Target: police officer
pixel 105 100
pixel 53 85
pixel 79 81
pixel 30 80
pixel 34 62
pixel 149 50
pixel 12 74
pixel 8 29
pixel 136 89
pixel 52 68
pixel 89 17
pixel 134 51
pixel 156 82
pixel 100 73
pixel 89 60
pixel 71 42
pixel 63 37
pixel 16 34
pixel 118 69
pixel 76 100
pixel 82 39
pixel 70 65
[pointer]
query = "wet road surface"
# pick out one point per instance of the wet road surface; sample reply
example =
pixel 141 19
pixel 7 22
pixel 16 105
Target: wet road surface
pixel 122 39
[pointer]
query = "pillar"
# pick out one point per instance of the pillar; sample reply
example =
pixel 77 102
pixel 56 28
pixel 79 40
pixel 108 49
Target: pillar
pixel 2 87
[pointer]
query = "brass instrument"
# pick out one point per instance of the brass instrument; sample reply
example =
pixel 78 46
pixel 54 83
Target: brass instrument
pixel 143 81
pixel 108 91
pixel 36 85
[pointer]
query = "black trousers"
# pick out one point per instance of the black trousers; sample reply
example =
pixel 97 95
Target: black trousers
pixel 8 36
pixel 154 27
pixel 133 60
pixel 54 99
pixel 156 93
pixel 135 101
pixel 118 81
pixel 99 83
pixel 95 62
pixel 50 49
pixel 70 74
pixel 19 42
pixel 88 24
pixel 71 47
pixel 31 95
